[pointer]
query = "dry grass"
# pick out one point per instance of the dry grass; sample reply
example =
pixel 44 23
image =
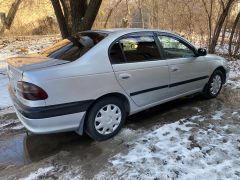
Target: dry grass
pixel 33 17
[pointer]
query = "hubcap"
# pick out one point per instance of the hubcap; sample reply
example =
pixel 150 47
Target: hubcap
pixel 108 119
pixel 216 85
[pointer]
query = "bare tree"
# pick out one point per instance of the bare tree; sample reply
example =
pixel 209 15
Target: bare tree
pixel 236 22
pixel 225 30
pixel 219 24
pixel 125 20
pixel 209 12
pixel 155 15
pixel 110 12
pixel 8 20
pixel 75 15
pixel 140 7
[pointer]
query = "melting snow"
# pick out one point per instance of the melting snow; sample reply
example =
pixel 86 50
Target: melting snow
pixel 179 151
pixel 218 115
pixel 235 69
pixel 234 84
pixel 18 127
pixel 4 96
pixel 40 172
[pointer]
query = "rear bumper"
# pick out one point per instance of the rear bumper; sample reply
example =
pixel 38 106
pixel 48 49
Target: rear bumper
pixel 70 122
pixel 51 119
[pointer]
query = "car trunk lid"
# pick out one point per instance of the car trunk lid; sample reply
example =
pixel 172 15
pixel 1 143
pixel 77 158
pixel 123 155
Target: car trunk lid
pixel 18 65
pixel 27 63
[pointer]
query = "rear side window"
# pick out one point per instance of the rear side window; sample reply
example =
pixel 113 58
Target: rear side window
pixel 116 54
pixel 74 47
pixel 134 49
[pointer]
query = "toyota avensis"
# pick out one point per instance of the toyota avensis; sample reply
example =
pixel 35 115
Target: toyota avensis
pixel 91 82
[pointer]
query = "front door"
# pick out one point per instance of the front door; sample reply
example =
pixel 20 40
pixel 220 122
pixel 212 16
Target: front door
pixel 138 67
pixel 188 73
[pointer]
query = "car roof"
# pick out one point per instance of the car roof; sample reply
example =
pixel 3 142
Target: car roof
pixel 114 33
pixel 126 30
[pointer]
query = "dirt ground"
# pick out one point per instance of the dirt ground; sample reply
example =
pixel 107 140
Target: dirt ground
pixel 71 156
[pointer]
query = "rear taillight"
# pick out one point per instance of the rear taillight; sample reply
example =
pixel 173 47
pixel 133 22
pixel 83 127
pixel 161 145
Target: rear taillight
pixel 31 91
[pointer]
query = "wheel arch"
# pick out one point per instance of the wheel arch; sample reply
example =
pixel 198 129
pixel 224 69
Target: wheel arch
pixel 221 68
pixel 118 95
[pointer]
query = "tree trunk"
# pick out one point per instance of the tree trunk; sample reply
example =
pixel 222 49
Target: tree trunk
pixel 60 18
pixel 237 47
pixel 66 7
pixel 141 13
pixel 75 15
pixel 78 10
pixel 155 14
pixel 209 16
pixel 224 31
pixel 237 20
pixel 219 25
pixel 90 15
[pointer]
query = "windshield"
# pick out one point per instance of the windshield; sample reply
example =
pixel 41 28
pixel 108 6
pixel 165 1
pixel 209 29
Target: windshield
pixel 74 47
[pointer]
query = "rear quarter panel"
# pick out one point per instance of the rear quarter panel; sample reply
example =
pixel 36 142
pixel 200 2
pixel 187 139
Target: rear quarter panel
pixel 88 78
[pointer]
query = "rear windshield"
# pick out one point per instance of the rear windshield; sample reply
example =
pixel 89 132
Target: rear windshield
pixel 74 47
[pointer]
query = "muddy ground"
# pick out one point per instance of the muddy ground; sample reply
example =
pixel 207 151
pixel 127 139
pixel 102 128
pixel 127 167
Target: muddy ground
pixel 71 156
pixel 190 138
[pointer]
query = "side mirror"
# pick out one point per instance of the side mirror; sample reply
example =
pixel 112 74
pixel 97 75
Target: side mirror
pixel 202 52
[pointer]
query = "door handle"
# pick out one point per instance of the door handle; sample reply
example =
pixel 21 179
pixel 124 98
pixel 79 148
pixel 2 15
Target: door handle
pixel 174 69
pixel 125 76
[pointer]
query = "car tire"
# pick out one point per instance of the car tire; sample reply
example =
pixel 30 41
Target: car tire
pixel 105 118
pixel 214 85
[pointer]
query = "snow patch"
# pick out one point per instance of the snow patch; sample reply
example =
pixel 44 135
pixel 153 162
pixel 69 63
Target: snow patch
pixel 234 113
pixel 234 84
pixel 218 115
pixel 18 127
pixel 198 109
pixel 234 69
pixel 4 96
pixel 5 124
pixel 178 151
pixel 40 172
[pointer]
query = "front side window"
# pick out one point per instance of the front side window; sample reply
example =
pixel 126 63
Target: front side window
pixel 134 49
pixel 173 48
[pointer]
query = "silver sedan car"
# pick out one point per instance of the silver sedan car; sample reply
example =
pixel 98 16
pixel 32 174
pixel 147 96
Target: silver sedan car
pixel 91 82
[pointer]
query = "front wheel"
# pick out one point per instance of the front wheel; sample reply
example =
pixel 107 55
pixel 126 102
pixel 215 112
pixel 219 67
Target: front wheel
pixel 105 119
pixel 214 85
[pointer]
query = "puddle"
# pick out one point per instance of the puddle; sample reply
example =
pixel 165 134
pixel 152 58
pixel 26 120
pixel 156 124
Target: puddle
pixel 13 151
pixel 23 149
pixel 36 144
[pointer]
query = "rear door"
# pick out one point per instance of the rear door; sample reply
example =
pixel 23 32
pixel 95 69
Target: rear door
pixel 139 69
pixel 188 73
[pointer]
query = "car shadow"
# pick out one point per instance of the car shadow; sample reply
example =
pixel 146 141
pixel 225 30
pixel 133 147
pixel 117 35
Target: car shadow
pixel 168 112
pixel 38 147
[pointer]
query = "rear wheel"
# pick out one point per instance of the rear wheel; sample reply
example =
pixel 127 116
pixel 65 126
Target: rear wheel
pixel 214 85
pixel 105 119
